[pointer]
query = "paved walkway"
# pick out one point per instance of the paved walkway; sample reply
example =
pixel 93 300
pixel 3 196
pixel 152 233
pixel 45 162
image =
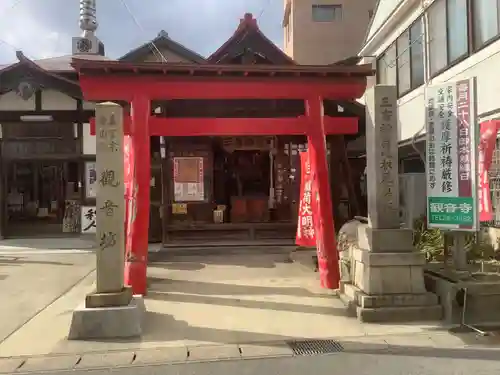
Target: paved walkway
pixel 213 307
pixel 425 345
pixel 29 283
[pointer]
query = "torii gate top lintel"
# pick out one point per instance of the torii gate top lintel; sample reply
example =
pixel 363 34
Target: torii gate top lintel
pixel 115 80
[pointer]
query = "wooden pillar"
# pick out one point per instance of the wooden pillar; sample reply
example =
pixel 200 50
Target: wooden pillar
pixel 136 263
pixel 324 226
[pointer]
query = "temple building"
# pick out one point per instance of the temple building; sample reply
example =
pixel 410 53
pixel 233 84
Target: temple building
pixel 203 188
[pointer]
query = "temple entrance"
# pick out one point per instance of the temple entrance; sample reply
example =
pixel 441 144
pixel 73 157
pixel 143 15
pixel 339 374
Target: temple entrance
pixel 242 181
pixel 36 195
pixel 229 189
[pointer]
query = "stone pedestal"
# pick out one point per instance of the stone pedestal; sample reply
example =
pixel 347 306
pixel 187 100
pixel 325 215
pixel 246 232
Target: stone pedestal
pixel 109 322
pixel 386 281
pixel 388 286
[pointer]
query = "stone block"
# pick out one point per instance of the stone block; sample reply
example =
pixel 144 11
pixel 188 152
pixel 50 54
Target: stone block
pixel 51 363
pixel 10 365
pixel 400 314
pixel 212 353
pixel 385 240
pixel 121 298
pixel 100 360
pixel 161 355
pixel 389 300
pixel 388 259
pixel 108 322
pixel 391 308
pixel 265 350
pixel 388 273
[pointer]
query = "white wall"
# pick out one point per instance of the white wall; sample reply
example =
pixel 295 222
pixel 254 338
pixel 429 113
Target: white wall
pixel 53 100
pixel 10 101
pixel 89 141
pixel 484 64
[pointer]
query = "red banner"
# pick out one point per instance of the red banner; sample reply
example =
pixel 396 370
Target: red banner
pixel 306 235
pixel 487 140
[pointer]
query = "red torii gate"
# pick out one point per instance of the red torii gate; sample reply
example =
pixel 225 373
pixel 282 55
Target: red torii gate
pixel 139 84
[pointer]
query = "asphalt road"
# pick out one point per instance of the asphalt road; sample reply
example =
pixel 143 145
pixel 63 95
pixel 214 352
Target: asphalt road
pixel 452 363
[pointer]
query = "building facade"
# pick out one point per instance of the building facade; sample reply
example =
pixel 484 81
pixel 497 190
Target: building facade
pixel 321 32
pixel 416 43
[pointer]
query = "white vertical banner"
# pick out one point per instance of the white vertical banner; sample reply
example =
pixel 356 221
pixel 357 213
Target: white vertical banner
pixel 451 155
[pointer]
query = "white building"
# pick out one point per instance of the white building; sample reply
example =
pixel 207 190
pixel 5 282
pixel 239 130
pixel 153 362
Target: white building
pixel 415 43
pixel 422 42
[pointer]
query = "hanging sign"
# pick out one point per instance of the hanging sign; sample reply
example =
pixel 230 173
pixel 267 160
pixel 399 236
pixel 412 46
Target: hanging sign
pixel 451 156
pixel 90 179
pixel 487 141
pixel 188 179
pixel 88 220
pixel 306 235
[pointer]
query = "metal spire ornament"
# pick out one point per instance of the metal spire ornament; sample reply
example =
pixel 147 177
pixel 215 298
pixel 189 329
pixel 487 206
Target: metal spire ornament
pixel 88 18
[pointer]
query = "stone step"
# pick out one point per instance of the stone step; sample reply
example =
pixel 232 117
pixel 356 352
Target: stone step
pixel 400 314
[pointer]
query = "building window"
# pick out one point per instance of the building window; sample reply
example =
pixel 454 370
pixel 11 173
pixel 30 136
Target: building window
pixel 417 54
pixel 326 13
pixel 458 43
pixel 485 19
pixel 448 33
pixel 403 63
pixel 386 67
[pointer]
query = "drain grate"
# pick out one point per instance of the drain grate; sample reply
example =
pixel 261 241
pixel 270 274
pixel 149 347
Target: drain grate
pixel 315 347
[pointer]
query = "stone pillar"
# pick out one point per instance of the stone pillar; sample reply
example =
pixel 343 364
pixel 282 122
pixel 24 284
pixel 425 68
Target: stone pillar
pixel 111 311
pixel 387 282
pixel 110 206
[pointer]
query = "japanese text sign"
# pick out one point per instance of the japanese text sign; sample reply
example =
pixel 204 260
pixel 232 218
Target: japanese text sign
pixel 451 156
pixel 306 235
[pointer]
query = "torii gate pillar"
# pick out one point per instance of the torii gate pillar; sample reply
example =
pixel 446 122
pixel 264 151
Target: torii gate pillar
pixel 324 226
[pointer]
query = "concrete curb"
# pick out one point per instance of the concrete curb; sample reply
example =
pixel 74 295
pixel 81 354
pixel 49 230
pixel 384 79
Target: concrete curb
pixel 420 344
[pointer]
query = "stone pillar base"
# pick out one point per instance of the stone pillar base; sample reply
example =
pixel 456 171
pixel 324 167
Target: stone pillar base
pixel 389 287
pixel 391 308
pixel 108 322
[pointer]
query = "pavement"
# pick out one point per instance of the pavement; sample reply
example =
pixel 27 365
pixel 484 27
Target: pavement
pixel 436 353
pixel 30 283
pixel 241 305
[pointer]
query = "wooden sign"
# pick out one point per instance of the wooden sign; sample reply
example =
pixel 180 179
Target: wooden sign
pixel 179 208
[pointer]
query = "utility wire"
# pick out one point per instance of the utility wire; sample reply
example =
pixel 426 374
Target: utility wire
pixel 137 23
pixel 264 8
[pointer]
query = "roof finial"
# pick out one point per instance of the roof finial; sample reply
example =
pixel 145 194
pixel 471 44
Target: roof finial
pixel 247 21
pixel 88 18
pixel 163 34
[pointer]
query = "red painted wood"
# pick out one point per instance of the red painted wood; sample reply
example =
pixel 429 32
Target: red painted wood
pixel 124 88
pixel 136 267
pixel 328 257
pixel 174 127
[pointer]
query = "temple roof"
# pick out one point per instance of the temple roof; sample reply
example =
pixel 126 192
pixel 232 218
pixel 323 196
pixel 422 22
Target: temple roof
pixel 162 41
pixel 29 69
pixel 249 38
pixel 213 69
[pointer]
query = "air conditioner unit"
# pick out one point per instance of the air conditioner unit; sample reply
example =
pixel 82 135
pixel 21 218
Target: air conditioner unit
pixel 86 45
pixel 412 198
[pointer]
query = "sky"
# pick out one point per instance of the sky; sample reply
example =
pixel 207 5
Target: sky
pixel 44 28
